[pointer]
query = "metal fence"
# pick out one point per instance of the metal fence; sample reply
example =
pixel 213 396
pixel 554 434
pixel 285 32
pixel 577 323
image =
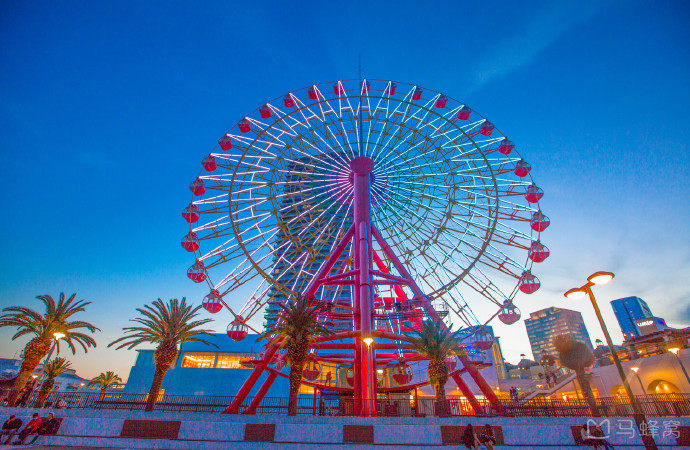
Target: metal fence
pixel 652 405
pixel 333 405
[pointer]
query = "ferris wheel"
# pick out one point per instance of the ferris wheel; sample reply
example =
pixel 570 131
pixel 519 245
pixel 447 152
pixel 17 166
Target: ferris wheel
pixel 450 195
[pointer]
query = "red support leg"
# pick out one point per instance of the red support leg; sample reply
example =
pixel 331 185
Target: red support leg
pixel 471 369
pixel 483 385
pixel 256 401
pixel 313 403
pixel 249 384
pixel 457 377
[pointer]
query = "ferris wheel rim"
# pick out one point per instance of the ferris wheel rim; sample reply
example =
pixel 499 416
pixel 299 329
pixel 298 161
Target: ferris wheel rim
pixel 494 221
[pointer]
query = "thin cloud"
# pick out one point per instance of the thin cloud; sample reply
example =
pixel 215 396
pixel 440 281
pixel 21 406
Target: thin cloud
pixel 544 29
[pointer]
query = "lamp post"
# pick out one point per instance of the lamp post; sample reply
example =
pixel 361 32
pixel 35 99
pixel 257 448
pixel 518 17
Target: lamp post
pixel 675 351
pixel 39 378
pixel 599 278
pixel 637 369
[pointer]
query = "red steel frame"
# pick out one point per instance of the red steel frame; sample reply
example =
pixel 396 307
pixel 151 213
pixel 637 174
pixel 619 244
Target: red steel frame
pixel 361 234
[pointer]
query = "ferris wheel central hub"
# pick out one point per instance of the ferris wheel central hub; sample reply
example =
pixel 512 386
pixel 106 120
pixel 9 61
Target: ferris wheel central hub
pixel 362 165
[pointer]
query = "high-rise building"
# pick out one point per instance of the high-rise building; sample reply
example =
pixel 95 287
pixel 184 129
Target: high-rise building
pixel 629 310
pixel 303 245
pixel 544 325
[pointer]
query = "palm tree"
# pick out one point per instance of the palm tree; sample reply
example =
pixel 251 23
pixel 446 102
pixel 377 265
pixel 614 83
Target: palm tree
pixel 577 356
pixel 436 342
pixel 54 368
pixel 106 380
pixel 41 327
pixel 299 323
pixel 168 325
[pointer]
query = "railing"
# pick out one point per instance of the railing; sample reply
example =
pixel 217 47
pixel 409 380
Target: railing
pixel 652 405
pixel 560 382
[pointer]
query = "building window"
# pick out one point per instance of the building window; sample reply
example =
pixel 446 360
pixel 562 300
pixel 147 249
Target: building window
pixel 232 361
pixel 199 360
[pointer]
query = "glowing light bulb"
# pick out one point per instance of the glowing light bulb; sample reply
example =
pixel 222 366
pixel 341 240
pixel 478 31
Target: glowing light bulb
pixel 575 294
pixel 600 277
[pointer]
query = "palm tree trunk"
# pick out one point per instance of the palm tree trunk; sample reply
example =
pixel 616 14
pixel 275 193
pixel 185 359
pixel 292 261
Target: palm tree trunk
pixel 42 394
pixel 164 357
pixel 295 380
pixel 155 387
pixel 440 392
pixel 103 389
pixel 587 392
pixel 34 351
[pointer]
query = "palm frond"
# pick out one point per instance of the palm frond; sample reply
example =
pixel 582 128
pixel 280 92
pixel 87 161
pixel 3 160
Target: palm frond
pixel 168 323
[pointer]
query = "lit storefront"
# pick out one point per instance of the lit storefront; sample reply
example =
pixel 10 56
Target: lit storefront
pixel 202 369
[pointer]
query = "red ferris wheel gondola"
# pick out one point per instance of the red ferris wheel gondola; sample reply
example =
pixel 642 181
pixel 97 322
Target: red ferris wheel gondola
pixel 311 371
pixel 529 283
pixel 197 187
pixel 237 330
pixel 211 302
pixel 539 222
pixel 534 193
pixel 522 168
pixel 190 242
pixel 197 272
pixel 401 373
pixel 506 147
pixel 209 163
pixel 509 313
pixel 487 128
pixel 225 143
pixel 441 101
pixel 464 113
pixel 538 252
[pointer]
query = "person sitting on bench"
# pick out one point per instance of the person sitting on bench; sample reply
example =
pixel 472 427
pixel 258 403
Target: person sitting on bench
pixel 10 428
pixel 588 438
pixel 30 428
pixel 48 427
pixel 600 437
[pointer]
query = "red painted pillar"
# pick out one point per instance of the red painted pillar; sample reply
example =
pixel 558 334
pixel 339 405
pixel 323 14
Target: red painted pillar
pixel 249 384
pixel 482 384
pixel 364 370
pixel 256 401
pixel 313 404
pixel 457 377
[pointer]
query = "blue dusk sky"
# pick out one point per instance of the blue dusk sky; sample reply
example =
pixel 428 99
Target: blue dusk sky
pixel 107 109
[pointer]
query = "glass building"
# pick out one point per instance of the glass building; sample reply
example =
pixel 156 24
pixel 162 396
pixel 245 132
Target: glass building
pixel 544 325
pixel 628 310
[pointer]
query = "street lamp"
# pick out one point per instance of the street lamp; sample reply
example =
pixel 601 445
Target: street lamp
pixel 637 369
pixel 600 278
pixel 38 378
pixel 675 351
